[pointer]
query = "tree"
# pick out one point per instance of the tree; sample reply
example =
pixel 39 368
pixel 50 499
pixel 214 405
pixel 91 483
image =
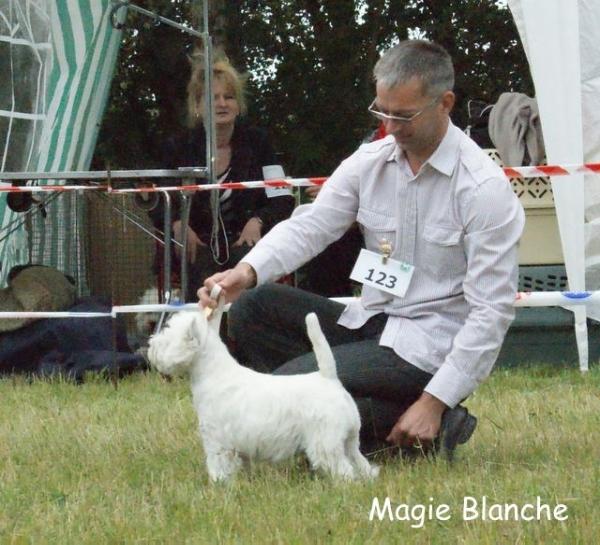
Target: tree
pixel 310 63
pixel 147 95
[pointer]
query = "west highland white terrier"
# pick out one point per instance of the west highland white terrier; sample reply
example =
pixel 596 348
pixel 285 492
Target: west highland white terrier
pixel 246 415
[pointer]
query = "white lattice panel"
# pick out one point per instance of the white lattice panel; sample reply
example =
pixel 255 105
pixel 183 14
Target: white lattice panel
pixel 532 192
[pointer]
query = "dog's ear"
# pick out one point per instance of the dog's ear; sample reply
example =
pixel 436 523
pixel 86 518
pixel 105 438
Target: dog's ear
pixel 199 328
pixel 215 318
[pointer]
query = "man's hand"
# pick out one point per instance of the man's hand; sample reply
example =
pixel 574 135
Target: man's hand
pixel 420 424
pixel 250 233
pixel 192 241
pixel 233 282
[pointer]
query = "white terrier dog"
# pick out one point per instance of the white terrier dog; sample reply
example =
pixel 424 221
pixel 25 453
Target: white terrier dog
pixel 248 415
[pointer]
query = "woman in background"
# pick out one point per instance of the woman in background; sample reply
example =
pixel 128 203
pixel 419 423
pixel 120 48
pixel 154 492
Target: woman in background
pixel 222 230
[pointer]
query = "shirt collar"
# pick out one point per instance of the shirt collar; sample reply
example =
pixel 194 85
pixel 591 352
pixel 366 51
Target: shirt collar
pixel 444 158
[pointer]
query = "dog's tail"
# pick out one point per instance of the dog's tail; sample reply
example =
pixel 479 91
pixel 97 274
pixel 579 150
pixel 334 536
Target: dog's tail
pixel 323 353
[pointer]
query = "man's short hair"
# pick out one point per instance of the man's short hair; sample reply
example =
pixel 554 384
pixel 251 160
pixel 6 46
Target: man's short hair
pixel 423 59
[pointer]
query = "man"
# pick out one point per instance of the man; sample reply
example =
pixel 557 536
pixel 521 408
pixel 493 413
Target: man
pixel 427 197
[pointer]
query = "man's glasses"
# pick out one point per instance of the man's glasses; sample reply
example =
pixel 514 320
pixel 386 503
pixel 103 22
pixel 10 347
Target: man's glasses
pixel 382 116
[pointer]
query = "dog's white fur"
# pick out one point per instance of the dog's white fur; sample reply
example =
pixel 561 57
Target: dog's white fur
pixel 248 415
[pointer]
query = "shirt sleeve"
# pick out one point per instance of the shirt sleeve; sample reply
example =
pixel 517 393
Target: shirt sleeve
pixel 311 228
pixel 493 225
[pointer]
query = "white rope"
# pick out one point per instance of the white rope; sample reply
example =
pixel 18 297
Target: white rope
pixel 523 299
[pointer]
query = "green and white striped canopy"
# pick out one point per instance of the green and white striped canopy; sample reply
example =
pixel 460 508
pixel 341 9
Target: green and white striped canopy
pixel 57 59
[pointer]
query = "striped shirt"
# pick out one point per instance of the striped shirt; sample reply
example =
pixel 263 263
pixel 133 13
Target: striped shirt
pixel 457 221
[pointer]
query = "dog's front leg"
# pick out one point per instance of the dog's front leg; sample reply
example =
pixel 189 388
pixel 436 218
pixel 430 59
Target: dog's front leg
pixel 220 462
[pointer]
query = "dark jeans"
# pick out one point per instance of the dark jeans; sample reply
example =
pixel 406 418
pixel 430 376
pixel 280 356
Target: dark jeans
pixel 268 332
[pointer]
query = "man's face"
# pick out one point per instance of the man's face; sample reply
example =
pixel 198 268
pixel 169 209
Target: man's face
pixel 427 128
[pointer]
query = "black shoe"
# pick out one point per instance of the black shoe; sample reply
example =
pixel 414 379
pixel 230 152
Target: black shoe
pixel 456 429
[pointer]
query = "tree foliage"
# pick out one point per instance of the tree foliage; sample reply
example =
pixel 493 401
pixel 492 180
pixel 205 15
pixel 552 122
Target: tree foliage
pixel 310 63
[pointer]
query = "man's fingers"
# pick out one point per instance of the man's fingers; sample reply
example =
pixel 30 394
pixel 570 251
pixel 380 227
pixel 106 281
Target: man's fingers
pixel 205 292
pixel 397 436
pixel 215 292
pixel 403 437
pixel 203 297
pixel 403 440
pixel 214 295
pixel 212 289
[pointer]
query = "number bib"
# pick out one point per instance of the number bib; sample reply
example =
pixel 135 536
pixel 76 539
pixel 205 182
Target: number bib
pixel 393 276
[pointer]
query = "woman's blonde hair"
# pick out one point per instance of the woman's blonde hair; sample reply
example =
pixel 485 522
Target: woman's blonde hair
pixel 223 72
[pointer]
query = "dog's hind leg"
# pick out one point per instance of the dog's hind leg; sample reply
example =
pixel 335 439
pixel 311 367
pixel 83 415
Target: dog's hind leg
pixel 331 459
pixel 362 465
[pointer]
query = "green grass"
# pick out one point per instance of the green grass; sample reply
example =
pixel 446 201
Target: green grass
pixel 92 464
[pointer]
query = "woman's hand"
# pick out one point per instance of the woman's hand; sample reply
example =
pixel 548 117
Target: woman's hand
pixel 251 233
pixel 192 241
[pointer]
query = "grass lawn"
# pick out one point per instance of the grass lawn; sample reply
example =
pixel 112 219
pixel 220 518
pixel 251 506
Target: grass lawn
pixel 92 464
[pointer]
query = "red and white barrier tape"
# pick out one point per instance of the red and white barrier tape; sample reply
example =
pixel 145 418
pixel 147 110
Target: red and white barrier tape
pixel 511 172
pixel 551 170
pixel 257 184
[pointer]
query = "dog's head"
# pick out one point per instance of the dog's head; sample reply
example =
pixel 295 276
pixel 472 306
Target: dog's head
pixel 173 351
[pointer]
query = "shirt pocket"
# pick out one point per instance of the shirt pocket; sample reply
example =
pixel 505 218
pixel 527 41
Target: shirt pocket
pixel 443 251
pixel 376 227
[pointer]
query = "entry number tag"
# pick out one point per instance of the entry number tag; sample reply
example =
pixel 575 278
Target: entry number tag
pixel 393 276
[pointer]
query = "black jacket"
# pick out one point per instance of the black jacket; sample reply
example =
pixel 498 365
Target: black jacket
pixel 250 151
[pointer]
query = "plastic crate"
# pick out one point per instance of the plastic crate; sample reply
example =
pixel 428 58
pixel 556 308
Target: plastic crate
pixel 540 242
pixel 543 278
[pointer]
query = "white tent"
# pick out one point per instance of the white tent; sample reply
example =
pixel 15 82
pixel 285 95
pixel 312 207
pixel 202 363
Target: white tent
pixel 564 57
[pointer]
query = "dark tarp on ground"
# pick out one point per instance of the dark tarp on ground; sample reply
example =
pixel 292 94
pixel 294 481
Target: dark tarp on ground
pixel 70 347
